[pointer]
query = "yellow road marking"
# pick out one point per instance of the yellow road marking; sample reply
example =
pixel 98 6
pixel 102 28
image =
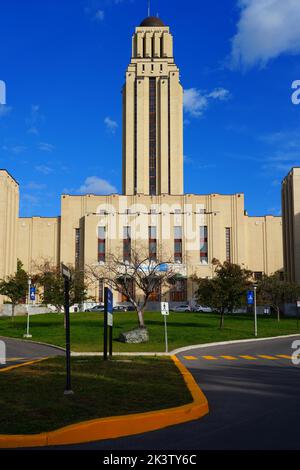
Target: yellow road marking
pixel 284 356
pixel 249 358
pixel 229 358
pixel 210 358
pixel 5 369
pixel 271 358
pixel 190 358
pixel 13 359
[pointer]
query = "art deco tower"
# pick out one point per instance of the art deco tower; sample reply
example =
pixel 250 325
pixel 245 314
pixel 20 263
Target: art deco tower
pixel 152 114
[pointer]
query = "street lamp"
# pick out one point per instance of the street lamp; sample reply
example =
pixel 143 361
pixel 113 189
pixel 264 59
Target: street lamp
pixel 28 335
pixel 255 312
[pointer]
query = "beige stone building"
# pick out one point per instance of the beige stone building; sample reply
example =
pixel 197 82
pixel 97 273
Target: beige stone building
pixel 291 224
pixel 153 209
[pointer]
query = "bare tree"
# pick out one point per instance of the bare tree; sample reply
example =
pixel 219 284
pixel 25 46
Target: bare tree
pixel 136 278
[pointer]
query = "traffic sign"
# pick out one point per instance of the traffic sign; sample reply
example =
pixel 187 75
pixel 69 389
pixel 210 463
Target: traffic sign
pixel 250 297
pixel 66 273
pixel 164 307
pixel 32 293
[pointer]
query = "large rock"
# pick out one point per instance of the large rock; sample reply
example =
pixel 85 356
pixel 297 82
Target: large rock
pixel 140 335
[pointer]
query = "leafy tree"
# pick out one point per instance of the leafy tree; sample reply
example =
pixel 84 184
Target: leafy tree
pixel 51 281
pixel 226 291
pixel 15 287
pixel 275 291
pixel 136 279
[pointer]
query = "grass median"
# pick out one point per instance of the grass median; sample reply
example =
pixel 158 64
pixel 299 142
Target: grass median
pixel 32 399
pixel 184 329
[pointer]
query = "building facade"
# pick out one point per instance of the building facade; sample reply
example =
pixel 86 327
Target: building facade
pixel 190 229
pixel 291 224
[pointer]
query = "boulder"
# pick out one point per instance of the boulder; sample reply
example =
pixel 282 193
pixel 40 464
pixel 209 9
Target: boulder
pixel 140 335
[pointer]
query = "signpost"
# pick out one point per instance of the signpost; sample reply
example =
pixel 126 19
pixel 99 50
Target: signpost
pixel 108 322
pixel 66 273
pixel 298 310
pixel 251 300
pixel 164 307
pixel 28 335
pixel 32 294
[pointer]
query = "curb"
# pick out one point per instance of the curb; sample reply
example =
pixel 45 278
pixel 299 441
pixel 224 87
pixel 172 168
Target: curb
pixel 118 426
pixel 224 343
pixel 60 348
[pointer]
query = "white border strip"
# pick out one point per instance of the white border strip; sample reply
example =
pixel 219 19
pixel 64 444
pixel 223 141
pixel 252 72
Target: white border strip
pixel 237 341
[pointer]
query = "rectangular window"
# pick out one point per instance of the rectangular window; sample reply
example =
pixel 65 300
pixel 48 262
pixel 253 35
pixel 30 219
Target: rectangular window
pixel 152 136
pixel 101 291
pixel 258 275
pixel 101 244
pixel 135 137
pixel 203 245
pixel 228 244
pixel 77 247
pixel 179 291
pixel 178 244
pixel 152 243
pixel 127 244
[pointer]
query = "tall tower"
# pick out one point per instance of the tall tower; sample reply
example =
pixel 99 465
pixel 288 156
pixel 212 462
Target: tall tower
pixel 152 114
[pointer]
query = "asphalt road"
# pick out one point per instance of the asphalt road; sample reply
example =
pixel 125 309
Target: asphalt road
pixel 18 351
pixel 254 402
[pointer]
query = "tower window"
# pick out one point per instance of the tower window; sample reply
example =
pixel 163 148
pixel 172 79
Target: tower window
pixel 203 245
pixel 178 244
pixel 101 244
pixel 152 243
pixel 228 244
pixel 127 244
pixel 77 247
pixel 152 136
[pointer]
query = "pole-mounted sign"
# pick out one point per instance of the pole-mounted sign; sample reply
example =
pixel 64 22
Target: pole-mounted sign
pixel 108 322
pixel 250 297
pixel 66 273
pixel 164 308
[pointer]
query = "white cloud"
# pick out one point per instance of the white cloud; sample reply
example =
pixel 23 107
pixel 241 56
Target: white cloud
pixel 111 125
pixel 45 147
pixel 45 170
pixel 34 120
pixel 95 185
pixel 4 110
pixel 266 29
pixel 34 186
pixel 195 101
pixel 99 15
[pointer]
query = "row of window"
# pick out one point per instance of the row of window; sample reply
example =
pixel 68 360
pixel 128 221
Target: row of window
pixel 178 292
pixel 153 244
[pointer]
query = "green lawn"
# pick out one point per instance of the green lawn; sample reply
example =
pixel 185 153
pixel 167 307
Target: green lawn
pixel 32 399
pixel 183 329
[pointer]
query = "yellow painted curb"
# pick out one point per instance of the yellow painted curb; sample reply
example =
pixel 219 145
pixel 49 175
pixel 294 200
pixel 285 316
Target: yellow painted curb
pixel 118 426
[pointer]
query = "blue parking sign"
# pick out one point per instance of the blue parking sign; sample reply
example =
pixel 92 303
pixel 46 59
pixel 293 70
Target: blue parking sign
pixel 250 297
pixel 109 300
pixel 32 293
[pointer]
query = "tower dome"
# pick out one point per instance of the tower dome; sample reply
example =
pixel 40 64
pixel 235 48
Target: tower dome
pixel 152 21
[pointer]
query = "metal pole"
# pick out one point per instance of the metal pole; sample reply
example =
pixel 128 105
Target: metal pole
pixel 255 313
pixel 28 335
pixel 105 326
pixel 166 334
pixel 68 390
pixel 110 341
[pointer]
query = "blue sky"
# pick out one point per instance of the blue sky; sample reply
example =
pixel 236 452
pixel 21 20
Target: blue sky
pixel 64 61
